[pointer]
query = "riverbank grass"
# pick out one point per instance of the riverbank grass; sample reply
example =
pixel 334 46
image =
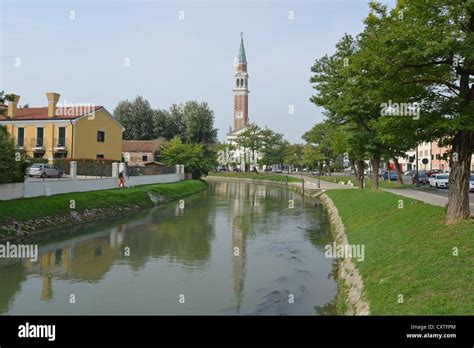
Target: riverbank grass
pixel 24 209
pixel 410 265
pixel 254 176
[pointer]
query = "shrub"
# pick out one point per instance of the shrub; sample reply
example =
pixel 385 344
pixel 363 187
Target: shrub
pixel 12 163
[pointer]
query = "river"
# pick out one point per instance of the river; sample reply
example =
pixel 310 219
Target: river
pixel 236 248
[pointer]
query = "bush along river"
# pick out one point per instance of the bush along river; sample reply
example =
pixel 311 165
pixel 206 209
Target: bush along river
pixel 235 248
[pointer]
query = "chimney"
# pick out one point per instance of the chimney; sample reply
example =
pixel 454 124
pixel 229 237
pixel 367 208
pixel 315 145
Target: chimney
pixel 12 106
pixel 52 102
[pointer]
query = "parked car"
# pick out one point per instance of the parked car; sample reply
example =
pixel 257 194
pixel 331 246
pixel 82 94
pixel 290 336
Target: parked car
pixel 393 176
pixel 409 173
pixel 471 183
pixel 44 171
pixel 439 180
pixel 421 177
pixel 431 172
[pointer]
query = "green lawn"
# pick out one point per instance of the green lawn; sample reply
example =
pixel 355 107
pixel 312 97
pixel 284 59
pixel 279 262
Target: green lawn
pixel 254 176
pixel 36 207
pixel 409 252
pixel 382 183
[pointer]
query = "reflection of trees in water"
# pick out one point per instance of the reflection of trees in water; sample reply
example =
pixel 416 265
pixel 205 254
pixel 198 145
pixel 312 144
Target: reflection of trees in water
pixel 11 277
pixel 185 238
pixel 256 209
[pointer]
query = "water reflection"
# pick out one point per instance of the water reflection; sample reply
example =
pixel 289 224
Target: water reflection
pixel 248 232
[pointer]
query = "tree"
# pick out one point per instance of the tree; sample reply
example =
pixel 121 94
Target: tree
pixel 199 121
pixel 137 119
pixel 12 162
pixel 250 139
pixel 430 47
pixel 273 148
pixel 294 155
pixel 329 142
pixel 194 157
pixel 312 158
pixel 163 124
pixel 193 122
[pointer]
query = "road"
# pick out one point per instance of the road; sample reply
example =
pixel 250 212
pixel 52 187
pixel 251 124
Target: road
pixel 430 195
pixel 426 194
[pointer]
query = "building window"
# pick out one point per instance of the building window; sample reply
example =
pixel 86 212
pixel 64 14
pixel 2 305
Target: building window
pixel 99 156
pixel 238 82
pixel 20 139
pixel 60 155
pixel 100 136
pixel 145 158
pixel 39 137
pixel 62 136
pixel 426 152
pixel 421 153
pixel 38 155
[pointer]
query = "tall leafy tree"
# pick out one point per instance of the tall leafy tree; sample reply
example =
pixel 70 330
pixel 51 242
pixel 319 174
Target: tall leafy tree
pixel 193 122
pixel 430 48
pixel 329 142
pixel 199 121
pixel 274 147
pixel 137 119
pixel 294 155
pixel 250 139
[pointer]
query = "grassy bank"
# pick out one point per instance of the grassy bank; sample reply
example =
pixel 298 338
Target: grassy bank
pixel 409 252
pixel 32 208
pixel 254 176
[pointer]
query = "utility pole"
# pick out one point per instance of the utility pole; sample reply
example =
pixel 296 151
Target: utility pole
pixel 417 182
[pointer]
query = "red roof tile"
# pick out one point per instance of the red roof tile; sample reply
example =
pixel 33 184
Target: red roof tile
pixel 41 113
pixel 142 145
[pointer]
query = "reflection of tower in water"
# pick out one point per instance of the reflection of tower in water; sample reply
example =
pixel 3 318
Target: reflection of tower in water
pixel 238 262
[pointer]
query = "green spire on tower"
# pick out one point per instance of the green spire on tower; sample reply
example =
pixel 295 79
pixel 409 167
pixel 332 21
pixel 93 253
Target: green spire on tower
pixel 242 58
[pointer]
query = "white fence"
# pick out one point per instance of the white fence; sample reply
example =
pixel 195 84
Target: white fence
pixel 54 187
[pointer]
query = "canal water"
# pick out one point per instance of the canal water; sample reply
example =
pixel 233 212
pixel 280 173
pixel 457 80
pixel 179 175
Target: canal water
pixel 236 248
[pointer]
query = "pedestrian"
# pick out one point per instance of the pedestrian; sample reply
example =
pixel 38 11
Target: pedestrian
pixel 121 180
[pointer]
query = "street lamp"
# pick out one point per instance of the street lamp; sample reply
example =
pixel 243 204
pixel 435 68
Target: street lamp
pixel 417 182
pixel 319 173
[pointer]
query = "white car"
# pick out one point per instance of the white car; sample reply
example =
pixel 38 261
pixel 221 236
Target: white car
pixel 439 180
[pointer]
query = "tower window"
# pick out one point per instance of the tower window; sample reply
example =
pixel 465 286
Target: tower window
pixel 238 82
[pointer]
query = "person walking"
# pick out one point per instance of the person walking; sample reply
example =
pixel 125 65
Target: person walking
pixel 121 180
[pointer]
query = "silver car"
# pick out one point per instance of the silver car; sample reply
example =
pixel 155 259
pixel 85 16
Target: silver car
pixel 44 171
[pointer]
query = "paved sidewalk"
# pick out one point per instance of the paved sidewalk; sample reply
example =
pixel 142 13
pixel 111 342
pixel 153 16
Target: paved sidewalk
pixel 426 197
pixel 324 185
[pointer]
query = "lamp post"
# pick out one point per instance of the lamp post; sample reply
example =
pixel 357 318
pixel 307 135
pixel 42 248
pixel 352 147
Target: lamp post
pixel 417 182
pixel 319 174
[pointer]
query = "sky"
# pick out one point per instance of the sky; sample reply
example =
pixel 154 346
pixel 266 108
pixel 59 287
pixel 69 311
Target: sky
pixel 170 52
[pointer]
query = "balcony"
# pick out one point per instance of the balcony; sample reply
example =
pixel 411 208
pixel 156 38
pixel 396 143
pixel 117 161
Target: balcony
pixel 20 143
pixel 38 145
pixel 60 144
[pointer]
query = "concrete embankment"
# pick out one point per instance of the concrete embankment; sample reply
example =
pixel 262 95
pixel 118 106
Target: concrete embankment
pixel 33 217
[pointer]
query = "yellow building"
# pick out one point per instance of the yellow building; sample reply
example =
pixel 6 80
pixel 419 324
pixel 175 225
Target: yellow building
pixel 55 131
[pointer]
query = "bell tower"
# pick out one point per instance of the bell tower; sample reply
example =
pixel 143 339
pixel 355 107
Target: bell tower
pixel 241 91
